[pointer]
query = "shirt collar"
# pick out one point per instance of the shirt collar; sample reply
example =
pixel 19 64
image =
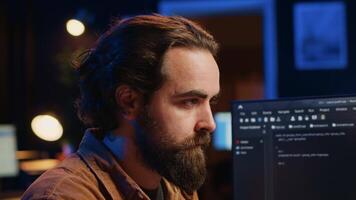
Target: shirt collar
pixel 106 167
pixel 102 159
pixel 116 144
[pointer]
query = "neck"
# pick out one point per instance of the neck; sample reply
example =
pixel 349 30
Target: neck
pixel 131 160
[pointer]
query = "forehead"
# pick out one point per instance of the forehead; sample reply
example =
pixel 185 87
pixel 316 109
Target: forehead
pixel 190 68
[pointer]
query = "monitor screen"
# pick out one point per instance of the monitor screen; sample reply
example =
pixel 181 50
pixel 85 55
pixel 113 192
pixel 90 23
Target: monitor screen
pixel 8 147
pixel 295 149
pixel 222 134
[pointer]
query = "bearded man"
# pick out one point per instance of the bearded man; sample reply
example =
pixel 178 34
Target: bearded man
pixel 146 92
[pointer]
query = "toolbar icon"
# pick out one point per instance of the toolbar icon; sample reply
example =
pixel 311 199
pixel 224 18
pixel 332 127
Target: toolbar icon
pixel 322 117
pixel 300 118
pixel 265 119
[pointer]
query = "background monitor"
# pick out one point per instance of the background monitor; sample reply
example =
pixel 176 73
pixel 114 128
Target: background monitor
pixel 222 134
pixel 8 147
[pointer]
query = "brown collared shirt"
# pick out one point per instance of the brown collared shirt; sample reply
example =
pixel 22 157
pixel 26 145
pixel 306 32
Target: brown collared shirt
pixel 93 173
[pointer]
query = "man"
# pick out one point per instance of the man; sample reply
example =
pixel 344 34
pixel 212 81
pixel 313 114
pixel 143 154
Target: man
pixel 147 88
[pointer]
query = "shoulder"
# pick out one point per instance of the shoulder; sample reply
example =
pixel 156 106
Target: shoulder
pixel 71 179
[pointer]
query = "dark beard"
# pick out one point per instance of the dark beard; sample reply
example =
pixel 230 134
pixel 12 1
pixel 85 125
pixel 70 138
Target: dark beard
pixel 183 164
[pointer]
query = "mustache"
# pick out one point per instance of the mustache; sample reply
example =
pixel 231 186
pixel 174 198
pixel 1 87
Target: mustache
pixel 200 139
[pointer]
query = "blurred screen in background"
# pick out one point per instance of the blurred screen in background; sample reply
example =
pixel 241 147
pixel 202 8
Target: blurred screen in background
pixel 8 161
pixel 222 135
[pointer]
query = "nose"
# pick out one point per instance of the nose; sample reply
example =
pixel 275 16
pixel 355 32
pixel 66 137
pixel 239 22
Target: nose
pixel 206 120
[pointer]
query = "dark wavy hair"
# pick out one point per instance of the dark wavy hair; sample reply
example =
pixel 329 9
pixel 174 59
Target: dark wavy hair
pixel 131 53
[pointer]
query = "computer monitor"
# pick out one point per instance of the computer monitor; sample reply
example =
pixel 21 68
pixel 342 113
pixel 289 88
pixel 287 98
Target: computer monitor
pixel 294 149
pixel 8 162
pixel 222 134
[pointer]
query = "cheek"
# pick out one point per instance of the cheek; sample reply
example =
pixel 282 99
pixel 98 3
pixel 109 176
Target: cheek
pixel 176 124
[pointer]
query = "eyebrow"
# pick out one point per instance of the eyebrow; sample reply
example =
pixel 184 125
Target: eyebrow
pixel 195 93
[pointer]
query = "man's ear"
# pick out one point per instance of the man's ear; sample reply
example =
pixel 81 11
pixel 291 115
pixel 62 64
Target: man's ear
pixel 129 101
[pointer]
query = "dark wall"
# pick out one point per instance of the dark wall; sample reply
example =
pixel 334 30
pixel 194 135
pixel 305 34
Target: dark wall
pixel 36 75
pixel 293 82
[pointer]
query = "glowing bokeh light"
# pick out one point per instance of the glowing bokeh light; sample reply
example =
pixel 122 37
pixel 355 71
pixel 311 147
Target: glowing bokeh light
pixel 75 27
pixel 47 127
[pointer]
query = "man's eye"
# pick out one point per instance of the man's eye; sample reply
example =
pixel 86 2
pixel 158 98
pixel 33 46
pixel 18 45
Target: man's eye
pixel 190 102
pixel 214 101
